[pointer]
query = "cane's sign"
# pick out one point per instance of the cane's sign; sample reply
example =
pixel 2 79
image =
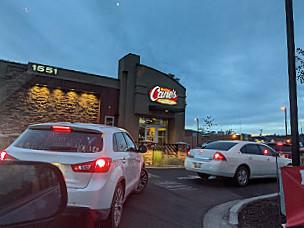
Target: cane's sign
pixel 163 95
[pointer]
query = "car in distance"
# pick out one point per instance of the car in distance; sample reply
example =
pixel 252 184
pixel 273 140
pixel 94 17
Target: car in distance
pixel 101 164
pixel 240 160
pixel 282 148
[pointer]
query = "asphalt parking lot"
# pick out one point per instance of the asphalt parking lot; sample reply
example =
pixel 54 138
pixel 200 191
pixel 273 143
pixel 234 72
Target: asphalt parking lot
pixel 179 198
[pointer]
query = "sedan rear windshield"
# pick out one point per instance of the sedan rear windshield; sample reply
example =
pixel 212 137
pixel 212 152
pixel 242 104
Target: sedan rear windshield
pixel 220 145
pixel 79 142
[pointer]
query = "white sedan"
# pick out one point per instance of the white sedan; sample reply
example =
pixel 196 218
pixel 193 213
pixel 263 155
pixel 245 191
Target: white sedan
pixel 101 164
pixel 240 160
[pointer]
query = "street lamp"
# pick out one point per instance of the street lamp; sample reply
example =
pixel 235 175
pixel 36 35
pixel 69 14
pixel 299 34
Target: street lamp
pixel 196 119
pixel 285 110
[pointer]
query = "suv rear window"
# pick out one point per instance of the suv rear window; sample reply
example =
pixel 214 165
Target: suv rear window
pixel 79 142
pixel 220 145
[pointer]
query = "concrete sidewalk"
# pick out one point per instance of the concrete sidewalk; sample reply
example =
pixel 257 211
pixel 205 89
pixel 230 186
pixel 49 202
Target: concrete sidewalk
pixel 226 214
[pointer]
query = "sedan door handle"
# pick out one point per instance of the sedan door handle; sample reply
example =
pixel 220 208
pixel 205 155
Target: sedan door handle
pixel 124 160
pixel 267 159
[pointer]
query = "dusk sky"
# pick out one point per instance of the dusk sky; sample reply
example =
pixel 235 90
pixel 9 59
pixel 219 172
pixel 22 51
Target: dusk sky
pixel 230 55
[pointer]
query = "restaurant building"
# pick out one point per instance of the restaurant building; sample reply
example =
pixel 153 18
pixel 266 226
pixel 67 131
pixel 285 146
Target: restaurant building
pixel 146 102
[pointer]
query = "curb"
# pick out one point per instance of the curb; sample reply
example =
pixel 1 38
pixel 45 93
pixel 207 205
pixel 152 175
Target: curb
pixel 226 214
pixel 234 210
pixel 218 216
pixel 165 167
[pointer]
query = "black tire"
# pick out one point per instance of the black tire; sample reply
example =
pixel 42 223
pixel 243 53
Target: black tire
pixel 204 176
pixel 142 182
pixel 241 176
pixel 115 215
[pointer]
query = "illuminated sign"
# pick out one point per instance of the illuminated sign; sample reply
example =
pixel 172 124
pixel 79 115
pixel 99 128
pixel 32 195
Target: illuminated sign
pixel 163 95
pixel 38 68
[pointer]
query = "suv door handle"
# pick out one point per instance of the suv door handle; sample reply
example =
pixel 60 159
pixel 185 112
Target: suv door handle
pixel 267 159
pixel 124 160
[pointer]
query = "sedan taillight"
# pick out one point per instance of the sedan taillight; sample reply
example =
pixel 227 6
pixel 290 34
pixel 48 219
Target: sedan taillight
pixel 100 165
pixel 219 156
pixel 188 153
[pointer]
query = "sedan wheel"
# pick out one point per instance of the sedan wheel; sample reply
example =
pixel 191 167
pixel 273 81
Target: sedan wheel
pixel 143 181
pixel 203 176
pixel 241 176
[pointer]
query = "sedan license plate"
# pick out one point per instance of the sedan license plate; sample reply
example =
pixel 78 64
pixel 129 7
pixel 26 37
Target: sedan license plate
pixel 196 165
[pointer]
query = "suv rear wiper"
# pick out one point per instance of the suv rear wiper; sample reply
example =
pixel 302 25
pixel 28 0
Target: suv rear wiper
pixel 63 148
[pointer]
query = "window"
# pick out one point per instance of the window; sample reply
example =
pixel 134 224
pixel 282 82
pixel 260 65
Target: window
pixel 109 120
pixel 253 149
pixel 266 150
pixel 220 145
pixel 79 142
pixel 130 144
pixel 243 150
pixel 119 143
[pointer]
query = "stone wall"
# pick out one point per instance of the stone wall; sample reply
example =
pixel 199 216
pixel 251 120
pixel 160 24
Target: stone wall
pixel 30 104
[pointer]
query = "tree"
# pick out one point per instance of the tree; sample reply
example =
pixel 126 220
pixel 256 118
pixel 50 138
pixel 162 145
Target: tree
pixel 208 123
pixel 229 132
pixel 300 65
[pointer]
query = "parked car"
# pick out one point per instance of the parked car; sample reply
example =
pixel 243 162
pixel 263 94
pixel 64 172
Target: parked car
pixel 101 164
pixel 240 160
pixel 282 148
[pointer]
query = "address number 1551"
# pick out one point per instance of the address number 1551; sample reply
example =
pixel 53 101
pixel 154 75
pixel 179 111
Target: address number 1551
pixel 44 69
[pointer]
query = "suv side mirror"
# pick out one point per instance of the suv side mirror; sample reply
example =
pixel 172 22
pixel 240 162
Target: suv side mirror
pixel 142 149
pixel 31 195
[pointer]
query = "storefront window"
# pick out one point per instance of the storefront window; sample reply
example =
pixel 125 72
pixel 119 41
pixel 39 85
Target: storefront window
pixel 154 130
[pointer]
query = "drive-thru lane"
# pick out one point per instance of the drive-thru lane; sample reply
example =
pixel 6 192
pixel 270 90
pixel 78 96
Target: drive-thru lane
pixel 178 198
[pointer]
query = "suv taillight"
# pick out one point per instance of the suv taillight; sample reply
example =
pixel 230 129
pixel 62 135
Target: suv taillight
pixel 100 165
pixel 5 156
pixel 219 156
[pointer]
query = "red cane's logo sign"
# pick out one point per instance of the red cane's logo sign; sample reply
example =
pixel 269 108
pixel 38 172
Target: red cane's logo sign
pixel 163 95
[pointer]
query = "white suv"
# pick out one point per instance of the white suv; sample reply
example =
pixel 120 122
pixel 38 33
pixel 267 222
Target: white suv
pixel 101 164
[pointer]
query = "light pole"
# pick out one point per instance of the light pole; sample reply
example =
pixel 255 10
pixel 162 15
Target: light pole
pixel 285 110
pixel 196 119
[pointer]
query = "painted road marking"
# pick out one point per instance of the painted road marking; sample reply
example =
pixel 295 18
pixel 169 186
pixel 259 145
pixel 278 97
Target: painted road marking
pixel 194 177
pixel 174 185
pixel 188 177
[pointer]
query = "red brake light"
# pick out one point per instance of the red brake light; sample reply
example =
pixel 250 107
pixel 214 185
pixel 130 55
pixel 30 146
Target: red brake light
pixel 3 155
pixel 266 152
pixel 219 156
pixel 61 128
pixel 280 144
pixel 100 165
pixel 188 153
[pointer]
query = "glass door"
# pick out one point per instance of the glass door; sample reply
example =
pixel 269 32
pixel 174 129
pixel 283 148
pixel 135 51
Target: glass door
pixel 151 134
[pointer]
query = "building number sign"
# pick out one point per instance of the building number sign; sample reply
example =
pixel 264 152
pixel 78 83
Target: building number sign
pixel 44 69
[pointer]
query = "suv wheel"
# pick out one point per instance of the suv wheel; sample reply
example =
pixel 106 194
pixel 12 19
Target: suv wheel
pixel 142 182
pixel 115 215
pixel 241 176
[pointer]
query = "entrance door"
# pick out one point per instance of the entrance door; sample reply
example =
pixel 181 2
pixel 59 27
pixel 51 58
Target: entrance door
pixel 157 134
pixel 153 129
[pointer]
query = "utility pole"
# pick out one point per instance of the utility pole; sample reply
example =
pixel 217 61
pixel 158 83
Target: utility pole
pixel 292 84
pixel 196 119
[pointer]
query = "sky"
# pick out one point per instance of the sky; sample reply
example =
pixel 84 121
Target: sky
pixel 230 55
